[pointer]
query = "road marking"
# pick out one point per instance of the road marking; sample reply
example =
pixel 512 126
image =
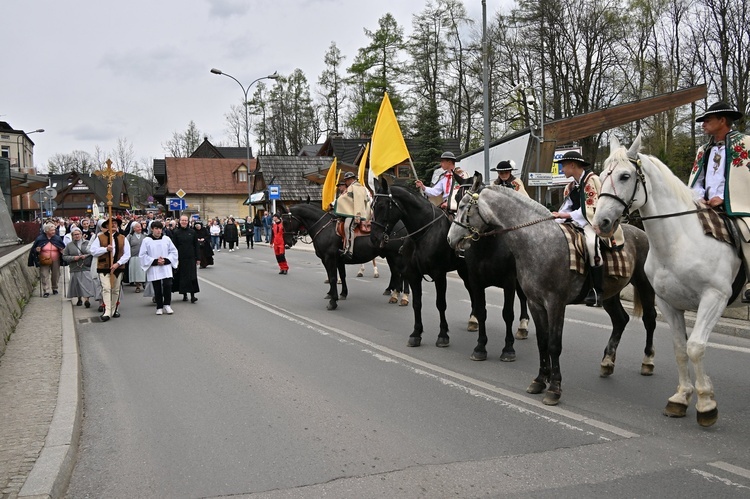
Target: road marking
pixel 323 328
pixel 731 469
pixel 715 478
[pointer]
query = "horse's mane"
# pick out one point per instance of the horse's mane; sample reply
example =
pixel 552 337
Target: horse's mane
pixel 525 201
pixel 668 178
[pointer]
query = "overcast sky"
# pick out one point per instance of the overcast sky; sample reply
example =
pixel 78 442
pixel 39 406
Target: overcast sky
pixel 92 71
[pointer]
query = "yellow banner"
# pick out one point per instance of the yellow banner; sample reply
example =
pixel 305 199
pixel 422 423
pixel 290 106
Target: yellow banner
pixel 388 146
pixel 363 166
pixel 329 186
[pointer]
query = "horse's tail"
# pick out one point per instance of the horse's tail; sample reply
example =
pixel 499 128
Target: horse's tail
pixel 637 305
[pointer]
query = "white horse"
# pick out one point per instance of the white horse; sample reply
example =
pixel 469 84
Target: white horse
pixel 688 269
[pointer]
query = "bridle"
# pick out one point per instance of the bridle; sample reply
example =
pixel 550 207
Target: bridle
pixel 302 231
pixel 640 179
pixel 386 226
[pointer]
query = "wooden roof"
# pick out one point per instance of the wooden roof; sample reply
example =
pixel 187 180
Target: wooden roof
pixel 288 173
pixel 205 175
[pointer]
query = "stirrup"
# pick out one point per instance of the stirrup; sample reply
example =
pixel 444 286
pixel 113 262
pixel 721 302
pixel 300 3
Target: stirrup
pixel 593 299
pixel 746 296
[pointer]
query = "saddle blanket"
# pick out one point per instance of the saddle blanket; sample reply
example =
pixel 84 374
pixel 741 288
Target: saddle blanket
pixel 617 262
pixel 715 224
pixel 360 229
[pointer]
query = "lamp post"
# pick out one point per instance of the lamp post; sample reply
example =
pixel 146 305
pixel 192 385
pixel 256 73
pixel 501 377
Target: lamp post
pixel 18 144
pixel 245 90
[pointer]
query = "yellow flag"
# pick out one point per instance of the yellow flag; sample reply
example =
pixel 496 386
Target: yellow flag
pixel 388 146
pixel 363 166
pixel 329 186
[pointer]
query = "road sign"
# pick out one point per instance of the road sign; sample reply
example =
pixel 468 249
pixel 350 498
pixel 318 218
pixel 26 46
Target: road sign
pixel 51 192
pixel 181 194
pixel 51 204
pixel 274 191
pixel 40 196
pixel 176 204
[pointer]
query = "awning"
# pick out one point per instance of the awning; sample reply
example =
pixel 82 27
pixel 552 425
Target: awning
pixel 255 198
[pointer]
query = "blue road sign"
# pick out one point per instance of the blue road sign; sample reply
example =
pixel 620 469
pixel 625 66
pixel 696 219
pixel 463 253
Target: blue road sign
pixel 176 204
pixel 274 191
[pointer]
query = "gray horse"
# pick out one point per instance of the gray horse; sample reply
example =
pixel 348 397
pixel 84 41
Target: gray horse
pixel 543 269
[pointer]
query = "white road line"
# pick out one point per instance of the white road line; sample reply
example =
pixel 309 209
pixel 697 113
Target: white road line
pixel 731 469
pixel 323 328
pixel 715 478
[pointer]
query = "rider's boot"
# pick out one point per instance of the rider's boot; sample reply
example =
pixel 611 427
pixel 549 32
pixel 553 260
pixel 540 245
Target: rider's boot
pixel 594 298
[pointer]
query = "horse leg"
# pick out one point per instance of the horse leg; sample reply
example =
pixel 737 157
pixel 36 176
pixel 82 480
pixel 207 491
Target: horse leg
pixel 678 403
pixel 709 312
pixel 342 274
pixel 333 291
pixel 648 309
pixel 619 318
pixel 416 305
pixel 473 324
pixel 523 325
pixel 441 287
pixel 480 313
pixel 542 327
pixel 509 353
pixel 394 296
pixel 556 322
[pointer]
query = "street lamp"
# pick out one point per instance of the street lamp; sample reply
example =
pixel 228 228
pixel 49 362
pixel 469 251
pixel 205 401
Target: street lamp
pixel 245 90
pixel 18 144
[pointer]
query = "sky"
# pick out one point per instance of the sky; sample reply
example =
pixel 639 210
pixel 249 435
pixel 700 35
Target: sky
pixel 91 71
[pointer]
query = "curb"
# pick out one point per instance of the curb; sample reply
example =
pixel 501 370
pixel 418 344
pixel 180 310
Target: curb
pixel 50 476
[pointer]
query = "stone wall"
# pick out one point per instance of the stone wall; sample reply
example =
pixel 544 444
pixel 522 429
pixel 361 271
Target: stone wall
pixel 17 283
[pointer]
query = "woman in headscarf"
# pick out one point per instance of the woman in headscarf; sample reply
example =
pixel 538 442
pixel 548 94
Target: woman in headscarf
pixel 136 274
pixel 206 254
pixel 46 253
pixel 78 257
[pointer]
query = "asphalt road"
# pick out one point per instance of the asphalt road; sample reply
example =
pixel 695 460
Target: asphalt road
pixel 258 391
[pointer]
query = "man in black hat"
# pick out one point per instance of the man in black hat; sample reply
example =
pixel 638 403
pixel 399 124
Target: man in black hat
pixel 721 171
pixel 506 178
pixel 354 207
pixel 578 208
pixel 112 252
pixel 444 184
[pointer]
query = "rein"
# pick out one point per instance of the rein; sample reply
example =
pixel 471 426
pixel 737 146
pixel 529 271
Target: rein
pixel 299 234
pixel 640 180
pixel 392 201
pixel 475 234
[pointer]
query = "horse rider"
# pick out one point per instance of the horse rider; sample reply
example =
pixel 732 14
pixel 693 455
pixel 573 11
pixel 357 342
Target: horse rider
pixel 353 206
pixel 444 184
pixel 578 208
pixel 506 178
pixel 721 172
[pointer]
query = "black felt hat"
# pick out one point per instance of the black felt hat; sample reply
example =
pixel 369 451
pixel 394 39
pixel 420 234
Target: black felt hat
pixel 573 156
pixel 720 109
pixel 503 166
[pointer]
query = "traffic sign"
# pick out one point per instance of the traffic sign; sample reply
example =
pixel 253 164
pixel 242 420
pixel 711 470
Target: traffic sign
pixel 181 194
pixel 51 192
pixel 176 204
pixel 274 191
pixel 40 196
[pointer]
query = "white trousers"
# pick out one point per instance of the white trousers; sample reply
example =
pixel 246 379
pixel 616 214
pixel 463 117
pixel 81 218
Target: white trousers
pixel 592 245
pixel 110 293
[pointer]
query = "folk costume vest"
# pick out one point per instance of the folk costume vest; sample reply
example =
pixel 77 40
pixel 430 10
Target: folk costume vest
pixel 586 194
pixel 104 262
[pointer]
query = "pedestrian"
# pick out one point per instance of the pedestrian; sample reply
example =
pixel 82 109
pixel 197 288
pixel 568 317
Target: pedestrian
pixel 231 234
pixel 158 256
pixel 112 251
pixel 186 277
pixel 215 232
pixel 46 253
pixel 278 244
pixel 721 172
pixel 250 231
pixel 267 224
pixel 135 272
pixel 206 255
pixel 78 257
pixel 257 227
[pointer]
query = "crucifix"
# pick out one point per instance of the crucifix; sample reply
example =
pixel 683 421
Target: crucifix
pixel 109 174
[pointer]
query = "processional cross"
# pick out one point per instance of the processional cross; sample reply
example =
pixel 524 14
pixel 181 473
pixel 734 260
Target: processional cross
pixel 109 174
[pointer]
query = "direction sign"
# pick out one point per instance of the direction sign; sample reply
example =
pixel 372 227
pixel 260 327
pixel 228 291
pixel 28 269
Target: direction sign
pixel 176 204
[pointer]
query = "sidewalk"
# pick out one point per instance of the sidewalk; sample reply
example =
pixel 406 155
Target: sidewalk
pixel 41 397
pixel 41 401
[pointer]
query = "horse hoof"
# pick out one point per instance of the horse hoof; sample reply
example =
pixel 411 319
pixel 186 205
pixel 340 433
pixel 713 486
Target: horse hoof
pixel 472 327
pixel 508 357
pixel 708 418
pixel 647 369
pixel 442 342
pixel 606 371
pixel 414 341
pixel 393 300
pixel 360 274
pixel 404 303
pixel 342 297
pixel 536 387
pixel 551 398
pixel 478 355
pixel 386 292
pixel 675 410
pixel 522 334
pixel 332 305
pixel 327 297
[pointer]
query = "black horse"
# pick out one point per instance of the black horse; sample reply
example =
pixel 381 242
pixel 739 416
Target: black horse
pixel 428 253
pixel 309 220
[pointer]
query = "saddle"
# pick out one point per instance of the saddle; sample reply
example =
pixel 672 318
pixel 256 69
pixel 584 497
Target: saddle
pixel 361 229
pixel 617 261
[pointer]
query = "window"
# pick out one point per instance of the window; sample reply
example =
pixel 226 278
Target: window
pixel 5 153
pixel 242 176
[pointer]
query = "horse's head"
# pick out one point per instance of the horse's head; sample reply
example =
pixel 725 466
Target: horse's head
pixel 386 212
pixel 623 187
pixel 293 227
pixel 468 223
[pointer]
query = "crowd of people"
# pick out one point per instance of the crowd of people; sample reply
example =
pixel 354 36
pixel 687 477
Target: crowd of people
pixel 156 255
